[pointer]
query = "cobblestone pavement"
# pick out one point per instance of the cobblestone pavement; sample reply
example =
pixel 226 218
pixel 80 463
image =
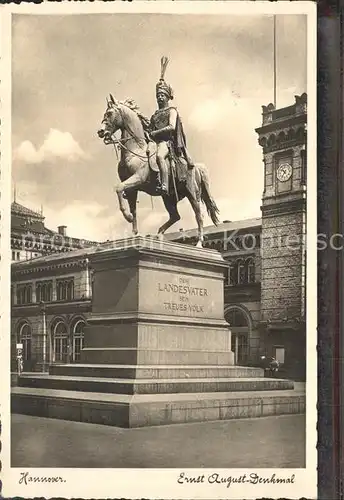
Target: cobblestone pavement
pixel 248 443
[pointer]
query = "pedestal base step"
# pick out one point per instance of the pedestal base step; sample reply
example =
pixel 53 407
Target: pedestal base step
pixel 138 356
pixel 143 410
pixel 153 386
pixel 155 371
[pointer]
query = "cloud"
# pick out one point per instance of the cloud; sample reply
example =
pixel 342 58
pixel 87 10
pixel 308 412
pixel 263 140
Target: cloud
pixel 228 109
pixel 219 101
pixel 83 220
pixel 208 113
pixel 234 209
pixel 27 152
pixel 153 220
pixel 56 145
pixel 291 90
pixel 27 193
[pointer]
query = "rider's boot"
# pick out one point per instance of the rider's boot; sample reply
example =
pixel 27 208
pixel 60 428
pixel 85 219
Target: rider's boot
pixel 162 186
pixel 164 182
pixel 157 182
pixel 163 189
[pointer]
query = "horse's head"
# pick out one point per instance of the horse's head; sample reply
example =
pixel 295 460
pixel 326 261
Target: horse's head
pixel 111 121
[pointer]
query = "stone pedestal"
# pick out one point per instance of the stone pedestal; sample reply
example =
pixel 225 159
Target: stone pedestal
pixel 157 348
pixel 157 303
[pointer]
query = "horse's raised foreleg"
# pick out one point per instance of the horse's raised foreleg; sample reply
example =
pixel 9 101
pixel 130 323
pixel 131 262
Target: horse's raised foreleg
pixel 133 181
pixel 171 206
pixel 132 200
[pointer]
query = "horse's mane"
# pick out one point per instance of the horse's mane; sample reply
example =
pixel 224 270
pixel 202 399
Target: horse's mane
pixel 131 104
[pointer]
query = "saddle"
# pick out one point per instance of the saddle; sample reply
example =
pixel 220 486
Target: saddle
pixel 177 165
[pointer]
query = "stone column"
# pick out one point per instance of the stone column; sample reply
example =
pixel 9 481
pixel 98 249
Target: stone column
pixel 54 291
pixel 33 291
pixel 15 294
pixel 88 281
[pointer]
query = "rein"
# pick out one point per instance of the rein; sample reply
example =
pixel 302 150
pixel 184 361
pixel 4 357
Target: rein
pixel 120 142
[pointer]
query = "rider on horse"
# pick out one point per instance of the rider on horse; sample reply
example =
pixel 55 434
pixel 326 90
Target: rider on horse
pixel 166 130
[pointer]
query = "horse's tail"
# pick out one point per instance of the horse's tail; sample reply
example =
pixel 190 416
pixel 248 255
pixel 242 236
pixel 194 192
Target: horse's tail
pixel 206 197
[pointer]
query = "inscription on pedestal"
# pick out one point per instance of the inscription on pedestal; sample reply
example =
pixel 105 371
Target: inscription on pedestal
pixel 179 294
pixel 184 296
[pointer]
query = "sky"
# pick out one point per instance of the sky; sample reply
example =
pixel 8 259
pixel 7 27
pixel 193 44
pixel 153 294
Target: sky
pixel 221 70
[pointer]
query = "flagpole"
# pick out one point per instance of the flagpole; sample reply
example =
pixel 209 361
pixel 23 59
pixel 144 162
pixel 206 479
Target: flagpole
pixel 275 65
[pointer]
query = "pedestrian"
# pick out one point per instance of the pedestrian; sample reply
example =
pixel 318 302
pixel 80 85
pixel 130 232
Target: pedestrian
pixel 270 365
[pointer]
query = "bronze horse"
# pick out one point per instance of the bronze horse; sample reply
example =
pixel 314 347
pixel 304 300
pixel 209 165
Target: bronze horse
pixel 137 159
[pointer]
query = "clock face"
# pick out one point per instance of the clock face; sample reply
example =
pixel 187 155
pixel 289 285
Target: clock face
pixel 284 172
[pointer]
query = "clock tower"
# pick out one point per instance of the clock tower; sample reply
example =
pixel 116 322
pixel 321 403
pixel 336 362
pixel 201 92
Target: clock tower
pixel 282 137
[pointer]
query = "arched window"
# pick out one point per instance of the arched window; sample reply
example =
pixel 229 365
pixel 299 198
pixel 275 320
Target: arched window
pixel 25 337
pixel 281 137
pixel 236 317
pixel 290 134
pixel 70 290
pixel 271 140
pixel 232 276
pixel 65 289
pixel 250 270
pixel 24 293
pixel 60 336
pixel 78 339
pixel 241 272
pixel 239 327
pixel 219 246
pixel 44 291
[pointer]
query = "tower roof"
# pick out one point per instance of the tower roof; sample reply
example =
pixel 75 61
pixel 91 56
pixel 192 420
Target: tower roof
pixel 18 209
pixel 279 118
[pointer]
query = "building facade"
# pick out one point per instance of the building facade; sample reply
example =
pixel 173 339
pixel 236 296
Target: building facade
pixel 264 289
pixel 30 238
pixel 51 301
pixel 50 293
pixel 283 138
pixel 239 243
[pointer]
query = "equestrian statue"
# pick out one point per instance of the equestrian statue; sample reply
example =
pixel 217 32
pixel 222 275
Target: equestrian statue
pixel 154 158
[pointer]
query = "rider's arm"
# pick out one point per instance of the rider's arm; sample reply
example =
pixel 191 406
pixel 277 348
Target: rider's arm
pixel 170 128
pixel 173 118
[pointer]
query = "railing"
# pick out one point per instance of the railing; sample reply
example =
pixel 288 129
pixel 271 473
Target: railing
pixel 283 112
